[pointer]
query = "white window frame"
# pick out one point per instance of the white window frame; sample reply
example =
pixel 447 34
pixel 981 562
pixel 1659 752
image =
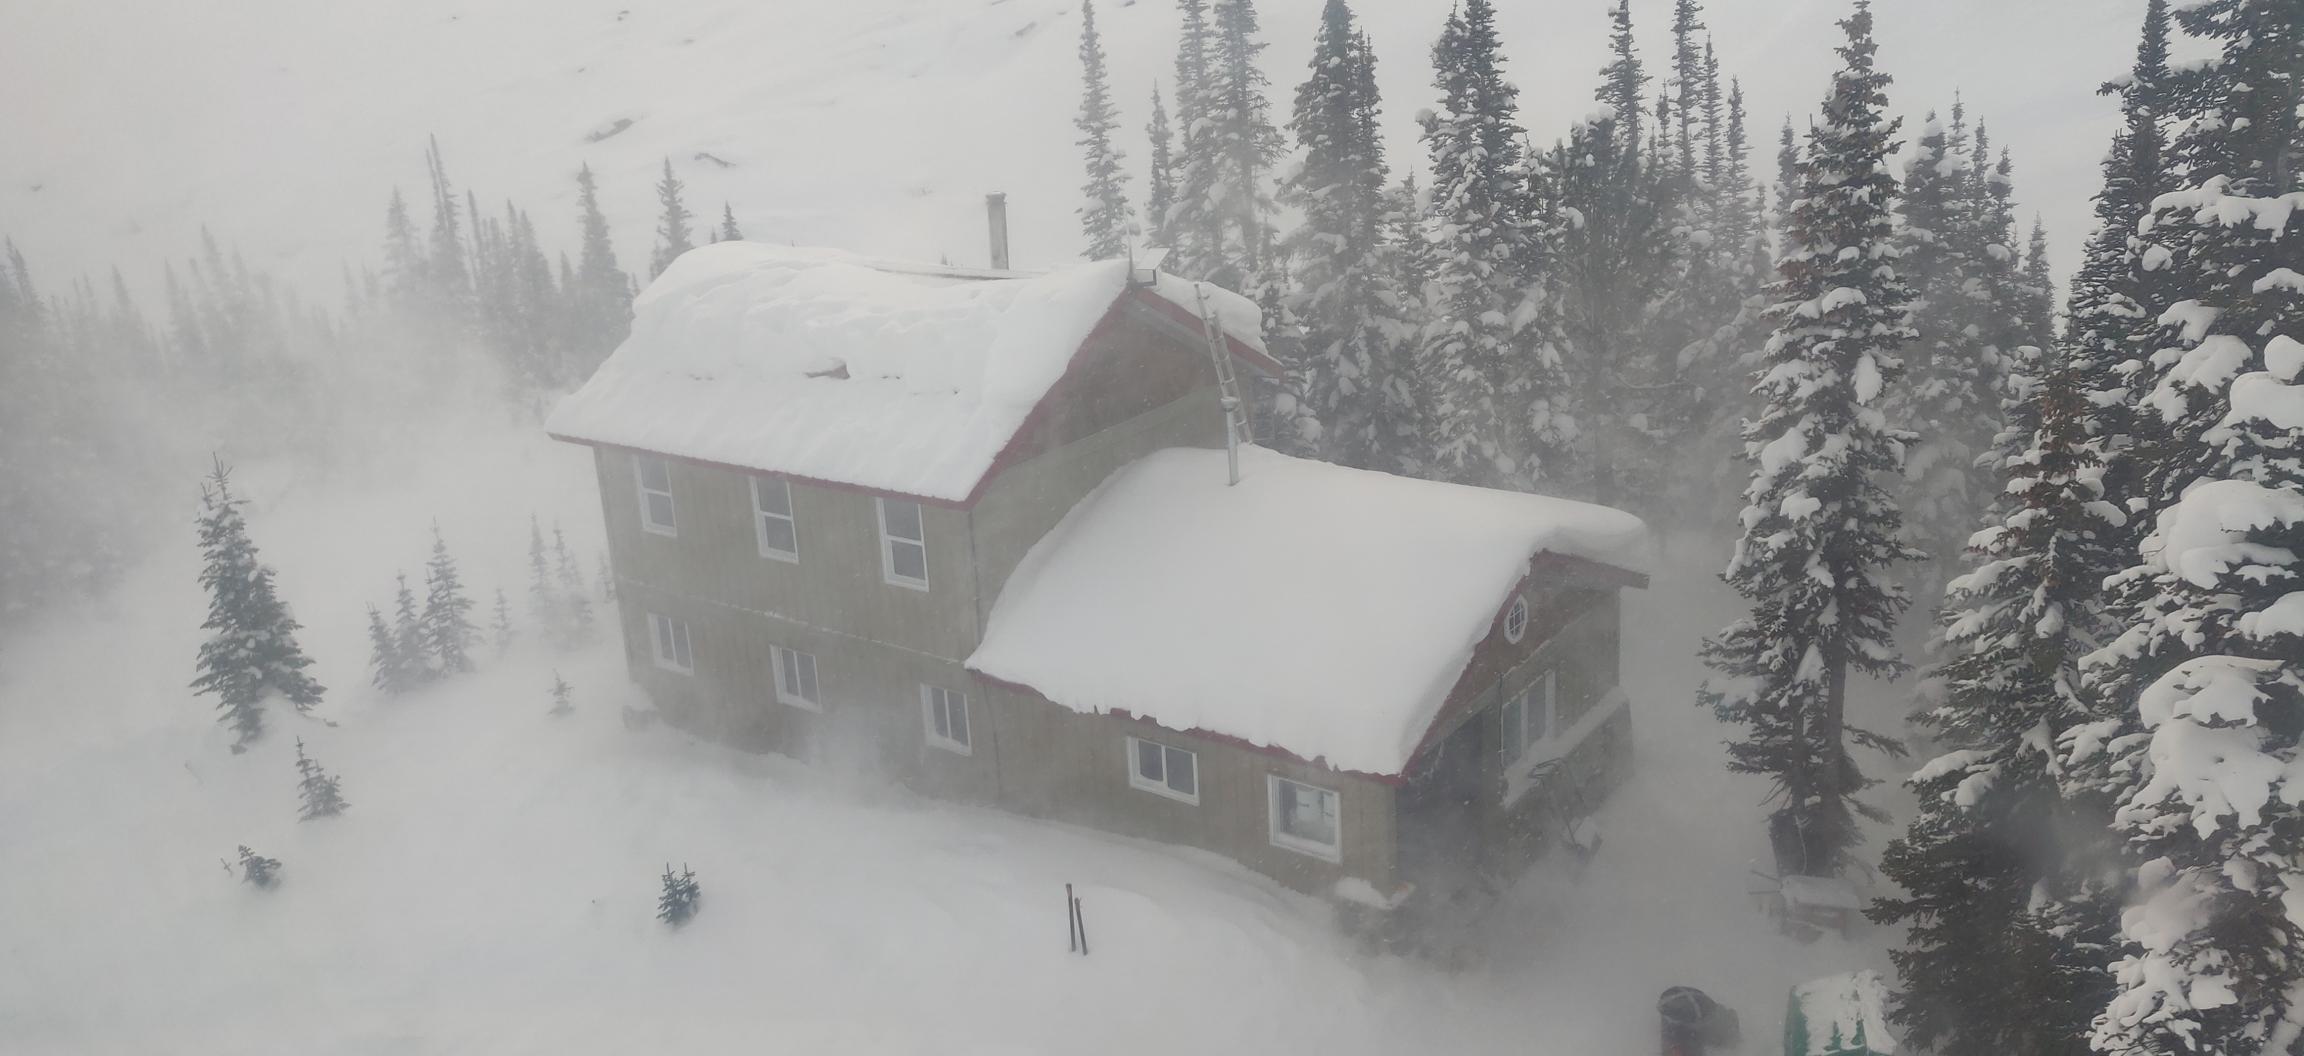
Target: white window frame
pixel 1160 786
pixel 1516 619
pixel 681 657
pixel 780 658
pixel 936 699
pixel 640 481
pixel 761 516
pixel 1512 715
pixel 1332 852
pixel 888 544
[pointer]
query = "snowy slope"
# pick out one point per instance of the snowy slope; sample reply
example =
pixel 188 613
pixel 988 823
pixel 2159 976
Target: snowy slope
pixel 492 888
pixel 870 125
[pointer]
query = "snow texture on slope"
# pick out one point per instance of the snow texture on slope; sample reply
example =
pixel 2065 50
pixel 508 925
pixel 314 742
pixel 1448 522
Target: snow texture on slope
pixel 1322 610
pixel 822 364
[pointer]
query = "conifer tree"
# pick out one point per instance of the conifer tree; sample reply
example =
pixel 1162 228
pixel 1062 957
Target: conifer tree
pixel 561 694
pixel 729 232
pixel 1187 226
pixel 1488 361
pixel 2203 758
pixel 599 294
pixel 251 654
pixel 449 286
pixel 545 604
pixel 408 637
pixel 1990 965
pixel 504 631
pixel 574 603
pixel 1356 333
pixel 672 234
pixel 2039 290
pixel 316 789
pixel 257 869
pixel 391 669
pixel 1221 220
pixel 678 904
pixel 1818 528
pixel 1104 216
pixel 404 271
pixel 446 626
pixel 1160 191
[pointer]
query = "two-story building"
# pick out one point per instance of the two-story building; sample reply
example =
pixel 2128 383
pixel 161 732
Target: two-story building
pixel 976 530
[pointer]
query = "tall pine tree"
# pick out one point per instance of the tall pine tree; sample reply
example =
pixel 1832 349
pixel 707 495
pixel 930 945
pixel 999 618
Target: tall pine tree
pixel 673 236
pixel 1819 531
pixel 446 626
pixel 251 655
pixel 1160 189
pixel 1104 216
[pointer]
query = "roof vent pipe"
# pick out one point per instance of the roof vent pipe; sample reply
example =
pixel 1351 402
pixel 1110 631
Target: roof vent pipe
pixel 996 214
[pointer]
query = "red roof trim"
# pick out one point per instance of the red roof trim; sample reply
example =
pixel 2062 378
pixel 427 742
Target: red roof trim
pixel 1263 363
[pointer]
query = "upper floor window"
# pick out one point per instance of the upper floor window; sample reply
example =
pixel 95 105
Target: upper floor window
pixel 1168 771
pixel 1516 620
pixel 1304 818
pixel 656 513
pixel 796 678
pixel 1529 716
pixel 903 544
pixel 772 523
pixel 670 638
pixel 947 718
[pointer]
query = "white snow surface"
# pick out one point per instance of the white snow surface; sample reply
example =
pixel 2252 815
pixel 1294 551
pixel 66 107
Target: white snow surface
pixel 1846 1002
pixel 1318 609
pixel 827 365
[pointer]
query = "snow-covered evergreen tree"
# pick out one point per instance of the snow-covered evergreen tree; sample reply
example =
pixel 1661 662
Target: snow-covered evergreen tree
pixel 678 903
pixel 673 236
pixel 1997 859
pixel 250 655
pixel 575 605
pixel 316 789
pixel 599 294
pixel 1489 361
pixel 408 636
pixel 2039 290
pixel 728 232
pixel 257 869
pixel 1104 216
pixel 1819 532
pixel 561 695
pixel 1356 336
pixel 391 668
pixel 1160 189
pixel 446 627
pixel 1221 221
pixel 501 628
pixel 2203 758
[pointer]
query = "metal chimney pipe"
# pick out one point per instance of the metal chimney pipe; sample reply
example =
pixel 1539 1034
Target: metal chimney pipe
pixel 996 214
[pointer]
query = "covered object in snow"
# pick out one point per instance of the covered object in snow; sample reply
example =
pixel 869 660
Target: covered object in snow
pixel 1839 1015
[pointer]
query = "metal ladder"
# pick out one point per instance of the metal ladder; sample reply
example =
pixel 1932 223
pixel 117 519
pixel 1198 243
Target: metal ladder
pixel 1237 426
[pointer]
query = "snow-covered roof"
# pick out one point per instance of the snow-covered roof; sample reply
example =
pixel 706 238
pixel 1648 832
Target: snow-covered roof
pixel 1312 608
pixel 825 365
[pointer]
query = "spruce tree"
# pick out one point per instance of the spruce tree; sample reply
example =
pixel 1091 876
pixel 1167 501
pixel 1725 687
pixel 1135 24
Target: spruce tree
pixel 574 603
pixel 251 654
pixel 1489 362
pixel 1356 333
pixel 2006 932
pixel 729 232
pixel 1818 529
pixel 448 289
pixel 408 637
pixel 545 604
pixel 446 626
pixel 678 904
pixel 1104 216
pixel 1221 220
pixel 257 869
pixel 672 234
pixel 561 694
pixel 391 668
pixel 502 626
pixel 599 294
pixel 316 789
pixel 2039 290
pixel 1160 190
pixel 2203 757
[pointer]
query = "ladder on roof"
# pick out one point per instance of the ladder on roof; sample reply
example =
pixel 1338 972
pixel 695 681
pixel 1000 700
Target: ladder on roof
pixel 1237 427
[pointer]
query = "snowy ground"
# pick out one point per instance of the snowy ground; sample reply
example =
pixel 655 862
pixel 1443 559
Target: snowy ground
pixel 492 888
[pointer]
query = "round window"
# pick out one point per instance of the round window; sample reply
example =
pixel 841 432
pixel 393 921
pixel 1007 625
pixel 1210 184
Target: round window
pixel 1516 620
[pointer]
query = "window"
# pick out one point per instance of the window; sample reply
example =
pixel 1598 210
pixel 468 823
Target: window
pixel 1516 620
pixel 796 678
pixel 671 643
pixel 1304 819
pixel 655 494
pixel 1158 768
pixel 903 544
pixel 947 715
pixel 1529 715
pixel 772 520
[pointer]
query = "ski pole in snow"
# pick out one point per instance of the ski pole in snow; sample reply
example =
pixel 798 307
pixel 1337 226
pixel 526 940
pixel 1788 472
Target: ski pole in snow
pixel 1081 923
pixel 1071 919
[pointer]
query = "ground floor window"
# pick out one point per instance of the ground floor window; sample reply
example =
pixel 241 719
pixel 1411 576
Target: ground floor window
pixel 1529 716
pixel 947 717
pixel 1169 771
pixel 671 642
pixel 796 678
pixel 1304 818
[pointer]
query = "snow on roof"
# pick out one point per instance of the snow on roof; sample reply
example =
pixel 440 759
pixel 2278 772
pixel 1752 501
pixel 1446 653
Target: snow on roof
pixel 822 364
pixel 1317 609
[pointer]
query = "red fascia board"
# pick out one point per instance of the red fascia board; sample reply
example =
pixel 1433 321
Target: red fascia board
pixel 1264 364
